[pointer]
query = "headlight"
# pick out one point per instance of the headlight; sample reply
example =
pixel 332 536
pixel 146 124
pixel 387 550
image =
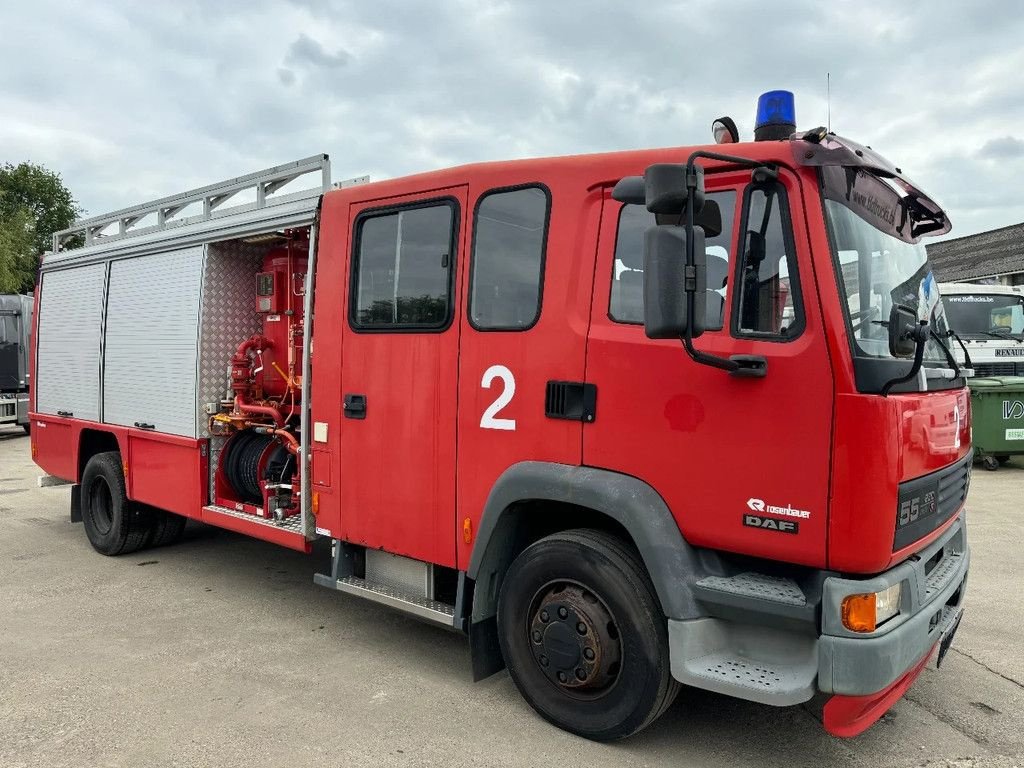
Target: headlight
pixel 864 613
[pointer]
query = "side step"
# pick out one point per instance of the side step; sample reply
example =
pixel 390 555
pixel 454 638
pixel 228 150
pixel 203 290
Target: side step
pixel 746 594
pixel 286 534
pixel 756 663
pixel 421 607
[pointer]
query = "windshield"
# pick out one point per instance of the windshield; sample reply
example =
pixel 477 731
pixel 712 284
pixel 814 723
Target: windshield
pixel 9 331
pixel 985 315
pixel 879 265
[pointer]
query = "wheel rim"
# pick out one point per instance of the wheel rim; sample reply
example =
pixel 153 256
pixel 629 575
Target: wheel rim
pixel 101 506
pixel 574 639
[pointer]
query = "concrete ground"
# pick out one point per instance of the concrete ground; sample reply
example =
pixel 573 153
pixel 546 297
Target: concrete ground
pixel 220 651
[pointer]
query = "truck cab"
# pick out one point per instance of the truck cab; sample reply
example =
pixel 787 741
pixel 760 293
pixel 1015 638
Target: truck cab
pixel 990 321
pixel 630 420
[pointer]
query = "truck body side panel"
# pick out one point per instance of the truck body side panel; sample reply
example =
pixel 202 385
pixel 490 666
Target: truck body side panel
pixel 167 472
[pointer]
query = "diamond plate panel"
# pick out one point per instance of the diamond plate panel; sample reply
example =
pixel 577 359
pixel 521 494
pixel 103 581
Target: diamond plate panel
pixel 228 317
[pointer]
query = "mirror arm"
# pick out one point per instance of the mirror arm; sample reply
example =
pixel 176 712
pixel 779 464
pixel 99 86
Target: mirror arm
pixel 921 336
pixel 739 365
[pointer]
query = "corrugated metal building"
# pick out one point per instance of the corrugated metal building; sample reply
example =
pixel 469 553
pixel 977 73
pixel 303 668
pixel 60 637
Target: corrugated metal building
pixel 996 256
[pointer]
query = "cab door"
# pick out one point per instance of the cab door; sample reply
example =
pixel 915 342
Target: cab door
pixel 399 381
pixel 743 463
pixel 525 330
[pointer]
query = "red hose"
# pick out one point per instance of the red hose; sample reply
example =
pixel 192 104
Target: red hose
pixel 290 443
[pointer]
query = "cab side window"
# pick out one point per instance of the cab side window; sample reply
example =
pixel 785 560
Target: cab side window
pixel 507 269
pixel 627 295
pixel 402 268
pixel 768 302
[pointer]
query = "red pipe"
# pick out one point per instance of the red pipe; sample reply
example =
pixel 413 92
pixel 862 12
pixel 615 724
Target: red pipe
pixel 242 383
pixel 259 410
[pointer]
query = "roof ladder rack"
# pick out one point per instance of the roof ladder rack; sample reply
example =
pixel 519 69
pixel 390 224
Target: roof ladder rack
pixel 265 184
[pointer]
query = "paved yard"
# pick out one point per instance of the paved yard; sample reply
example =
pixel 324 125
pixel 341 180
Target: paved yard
pixel 220 651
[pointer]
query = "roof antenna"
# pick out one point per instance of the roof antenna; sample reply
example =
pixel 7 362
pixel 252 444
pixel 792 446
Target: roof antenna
pixel 828 100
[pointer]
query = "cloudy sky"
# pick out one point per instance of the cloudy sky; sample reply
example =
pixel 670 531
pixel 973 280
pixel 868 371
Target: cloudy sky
pixel 135 100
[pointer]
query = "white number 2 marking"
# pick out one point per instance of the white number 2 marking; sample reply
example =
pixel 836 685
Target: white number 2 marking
pixel 488 420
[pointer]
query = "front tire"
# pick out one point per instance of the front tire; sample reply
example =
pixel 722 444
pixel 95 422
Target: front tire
pixel 584 637
pixel 114 524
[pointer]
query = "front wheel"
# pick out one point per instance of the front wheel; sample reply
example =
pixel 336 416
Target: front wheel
pixel 584 637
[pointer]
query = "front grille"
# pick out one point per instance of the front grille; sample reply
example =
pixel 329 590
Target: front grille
pixel 928 501
pixel 999 369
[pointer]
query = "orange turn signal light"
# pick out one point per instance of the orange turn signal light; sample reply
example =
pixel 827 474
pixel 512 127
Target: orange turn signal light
pixel 859 612
pixel 467 531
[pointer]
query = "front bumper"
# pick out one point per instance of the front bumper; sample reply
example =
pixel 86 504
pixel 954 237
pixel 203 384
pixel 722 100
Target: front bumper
pixel 765 639
pixel 934 584
pixel 13 408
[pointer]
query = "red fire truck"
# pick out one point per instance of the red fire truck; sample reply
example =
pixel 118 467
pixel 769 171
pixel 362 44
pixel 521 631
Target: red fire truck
pixel 629 420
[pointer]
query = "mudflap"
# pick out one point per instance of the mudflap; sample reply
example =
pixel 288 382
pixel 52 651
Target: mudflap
pixel 848 716
pixel 947 638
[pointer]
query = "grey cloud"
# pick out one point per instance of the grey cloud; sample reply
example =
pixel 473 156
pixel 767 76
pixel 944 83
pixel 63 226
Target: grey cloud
pixel 306 50
pixel 196 93
pixel 1003 148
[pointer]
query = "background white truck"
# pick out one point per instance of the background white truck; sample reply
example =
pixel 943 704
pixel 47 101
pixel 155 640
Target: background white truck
pixel 15 322
pixel 990 320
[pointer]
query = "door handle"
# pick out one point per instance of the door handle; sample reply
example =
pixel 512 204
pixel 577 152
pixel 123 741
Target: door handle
pixel 750 366
pixel 355 406
pixel 144 425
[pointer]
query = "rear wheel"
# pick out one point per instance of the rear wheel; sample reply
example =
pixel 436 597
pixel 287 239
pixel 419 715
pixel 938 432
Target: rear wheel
pixel 27 426
pixel 165 527
pixel 583 635
pixel 113 524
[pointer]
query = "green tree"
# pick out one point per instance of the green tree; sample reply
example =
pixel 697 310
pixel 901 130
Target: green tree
pixel 34 203
pixel 16 251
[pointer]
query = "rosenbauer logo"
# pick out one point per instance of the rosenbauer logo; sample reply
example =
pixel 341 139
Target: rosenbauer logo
pixel 759 505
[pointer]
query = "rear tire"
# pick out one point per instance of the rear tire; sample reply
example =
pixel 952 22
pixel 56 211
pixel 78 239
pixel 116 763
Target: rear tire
pixel 584 637
pixel 27 427
pixel 114 524
pixel 166 527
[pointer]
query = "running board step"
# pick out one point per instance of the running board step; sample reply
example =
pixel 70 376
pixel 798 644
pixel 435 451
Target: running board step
pixel 420 607
pixel 775 589
pixel 751 593
pixel 756 663
pixel 286 534
pixel 766 683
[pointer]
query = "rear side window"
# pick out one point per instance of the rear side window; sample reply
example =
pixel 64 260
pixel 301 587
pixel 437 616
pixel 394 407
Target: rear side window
pixel 627 296
pixel 508 259
pixel 402 269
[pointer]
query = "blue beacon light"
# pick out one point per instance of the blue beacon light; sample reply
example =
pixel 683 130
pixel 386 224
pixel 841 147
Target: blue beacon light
pixel 776 116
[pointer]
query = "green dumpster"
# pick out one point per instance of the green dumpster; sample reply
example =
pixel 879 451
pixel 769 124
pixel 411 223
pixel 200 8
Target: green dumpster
pixel 997 405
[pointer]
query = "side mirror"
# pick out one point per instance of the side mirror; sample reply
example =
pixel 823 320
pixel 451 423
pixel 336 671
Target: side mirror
pixel 905 332
pixel 665 282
